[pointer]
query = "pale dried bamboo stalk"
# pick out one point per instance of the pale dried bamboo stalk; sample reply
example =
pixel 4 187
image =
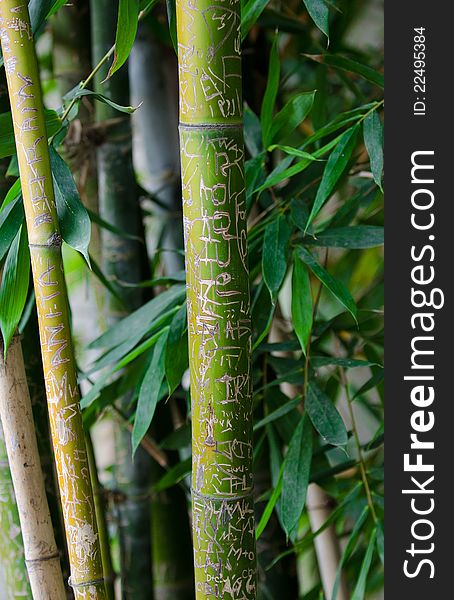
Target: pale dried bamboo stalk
pixel 41 553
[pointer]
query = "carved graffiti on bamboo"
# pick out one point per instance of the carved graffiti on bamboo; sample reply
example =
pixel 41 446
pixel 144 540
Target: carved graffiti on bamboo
pixel 211 84
pixel 220 338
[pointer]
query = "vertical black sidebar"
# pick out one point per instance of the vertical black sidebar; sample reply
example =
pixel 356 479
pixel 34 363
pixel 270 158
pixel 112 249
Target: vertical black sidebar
pixel 419 300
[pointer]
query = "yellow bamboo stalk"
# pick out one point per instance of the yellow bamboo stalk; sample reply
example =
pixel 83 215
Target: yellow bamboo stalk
pixel 52 303
pixel 41 554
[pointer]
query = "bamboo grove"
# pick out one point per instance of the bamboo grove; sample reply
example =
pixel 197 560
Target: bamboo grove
pixel 191 299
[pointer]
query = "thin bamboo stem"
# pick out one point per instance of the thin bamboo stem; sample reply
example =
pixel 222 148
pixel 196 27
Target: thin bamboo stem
pixel 214 217
pixel 14 581
pixel 123 259
pixel 40 550
pixel 52 303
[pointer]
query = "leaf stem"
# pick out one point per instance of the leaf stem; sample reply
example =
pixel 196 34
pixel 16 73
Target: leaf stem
pixel 362 466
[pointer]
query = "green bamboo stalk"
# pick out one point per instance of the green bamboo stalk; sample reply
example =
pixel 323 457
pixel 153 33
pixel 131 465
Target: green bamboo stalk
pixel 100 508
pixel 52 303
pixel 123 259
pixel 214 209
pixel 37 390
pixel 14 582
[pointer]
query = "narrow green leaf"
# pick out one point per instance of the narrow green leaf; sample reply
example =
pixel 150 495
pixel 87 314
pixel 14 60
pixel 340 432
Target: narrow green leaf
pixel 178 439
pixel 13 193
pixel 325 416
pixel 249 15
pixel 11 218
pixel 128 15
pixel 272 87
pixel 97 272
pixel 270 505
pixel 281 172
pixel 360 588
pixel 40 10
pixel 78 92
pixel 352 66
pixel 252 132
pixel 275 250
pixel 337 162
pixel 349 549
pixel 278 413
pixel 176 353
pixel 7 143
pixel 172 20
pixel 357 237
pixel 381 542
pixel 373 140
pixel 302 308
pixel 149 393
pixel 141 320
pixel 318 10
pixel 292 115
pixel 14 286
pixel 174 475
pixel 95 218
pixel 337 288
pixel 295 477
pixel 347 363
pixel 73 217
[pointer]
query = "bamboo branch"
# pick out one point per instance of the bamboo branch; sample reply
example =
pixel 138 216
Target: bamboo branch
pixel 52 303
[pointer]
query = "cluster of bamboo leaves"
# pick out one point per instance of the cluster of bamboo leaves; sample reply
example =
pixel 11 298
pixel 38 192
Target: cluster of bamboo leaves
pixel 314 166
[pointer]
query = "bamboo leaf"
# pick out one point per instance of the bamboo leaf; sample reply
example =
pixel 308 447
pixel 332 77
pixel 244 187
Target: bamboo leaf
pixel 337 288
pixel 349 549
pixel 347 363
pixel 318 10
pixel 325 416
pixel 174 475
pixel 278 413
pixel 14 286
pixel 270 505
pixel 249 15
pixel 275 250
pixel 72 214
pixel 149 393
pixel 381 542
pixel 356 237
pixel 40 10
pixel 272 86
pixel 282 171
pixel 7 144
pixel 292 115
pixel 302 308
pixel 128 17
pixel 172 20
pixel 337 162
pixel 178 439
pixel 373 140
pixel 79 92
pixel 352 66
pixel 141 320
pixel 360 588
pixel 11 218
pixel 295 478
pixel 252 132
pixel 176 352
pixel 95 218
